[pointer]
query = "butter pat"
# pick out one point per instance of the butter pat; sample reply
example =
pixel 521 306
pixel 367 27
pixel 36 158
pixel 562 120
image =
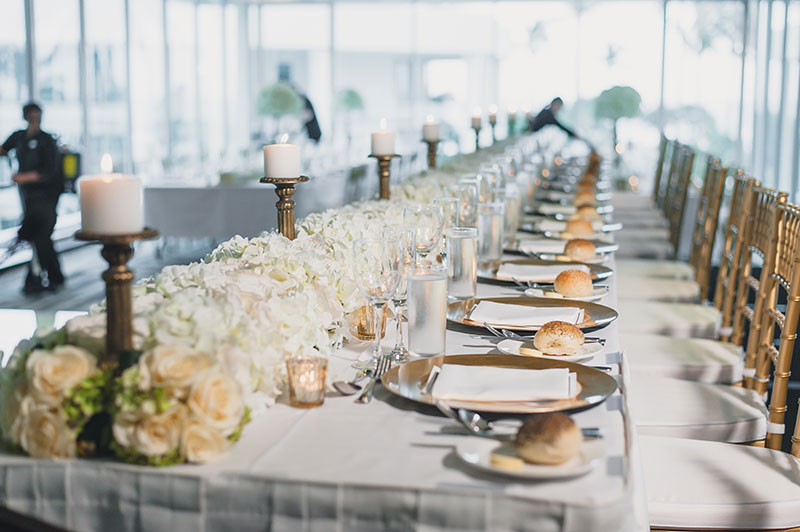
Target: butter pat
pixel 506 462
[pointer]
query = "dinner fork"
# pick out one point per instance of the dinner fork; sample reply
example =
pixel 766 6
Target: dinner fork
pixel 505 333
pixel 384 364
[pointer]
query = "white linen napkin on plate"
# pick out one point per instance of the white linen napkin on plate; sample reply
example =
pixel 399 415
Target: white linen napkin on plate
pixel 542 245
pixel 504 314
pixel 556 208
pixel 482 383
pixel 554 226
pixel 534 272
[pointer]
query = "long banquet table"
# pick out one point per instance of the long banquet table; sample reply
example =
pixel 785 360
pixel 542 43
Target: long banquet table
pixel 345 466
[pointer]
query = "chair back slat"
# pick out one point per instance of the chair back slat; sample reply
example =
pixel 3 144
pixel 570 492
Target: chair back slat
pixel 663 150
pixel 761 223
pixel 707 224
pixel 677 205
pixel 673 166
pixel 702 212
pixel 732 248
pixel 782 267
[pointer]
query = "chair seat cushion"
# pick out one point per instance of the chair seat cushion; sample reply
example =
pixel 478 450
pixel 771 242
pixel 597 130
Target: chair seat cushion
pixel 684 409
pixel 700 484
pixel 654 289
pixel 637 233
pixel 659 269
pixel 689 320
pixel 643 249
pixel 632 201
pixel 693 359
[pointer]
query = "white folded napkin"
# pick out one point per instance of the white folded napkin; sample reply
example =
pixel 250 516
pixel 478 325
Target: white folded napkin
pixel 504 314
pixel 532 272
pixel 556 208
pixel 481 383
pixel 554 226
pixel 542 245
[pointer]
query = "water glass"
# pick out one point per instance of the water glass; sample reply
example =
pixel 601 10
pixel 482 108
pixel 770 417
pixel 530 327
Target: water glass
pixel 450 211
pixel 427 221
pixel 483 184
pixel 427 309
pixel 491 220
pixel 467 195
pixel 510 195
pixel 462 265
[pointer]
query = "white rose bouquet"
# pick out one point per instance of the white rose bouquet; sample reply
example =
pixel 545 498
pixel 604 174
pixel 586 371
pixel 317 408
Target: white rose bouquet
pixel 49 392
pixel 175 404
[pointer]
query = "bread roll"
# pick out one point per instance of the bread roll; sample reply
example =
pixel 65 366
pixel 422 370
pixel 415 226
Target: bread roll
pixel 579 227
pixel 548 439
pixel 585 197
pixel 573 283
pixel 580 249
pixel 558 338
pixel 587 212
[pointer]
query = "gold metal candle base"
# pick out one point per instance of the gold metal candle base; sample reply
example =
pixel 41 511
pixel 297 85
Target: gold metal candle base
pixel 494 138
pixel 384 172
pixel 477 138
pixel 432 144
pixel 284 188
pixel 117 251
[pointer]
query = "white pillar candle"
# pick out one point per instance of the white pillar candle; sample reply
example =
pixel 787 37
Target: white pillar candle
pixel 430 130
pixel 493 115
pixel 512 115
pixel 476 118
pixel 383 141
pixel 111 204
pixel 282 160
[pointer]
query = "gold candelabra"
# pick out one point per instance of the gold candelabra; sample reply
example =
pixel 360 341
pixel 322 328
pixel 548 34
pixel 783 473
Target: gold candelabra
pixel 477 138
pixel 384 172
pixel 432 144
pixel 117 251
pixel 492 124
pixel 284 188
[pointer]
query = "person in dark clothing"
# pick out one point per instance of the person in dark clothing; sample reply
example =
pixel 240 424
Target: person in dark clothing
pixel 40 184
pixel 547 117
pixel 312 124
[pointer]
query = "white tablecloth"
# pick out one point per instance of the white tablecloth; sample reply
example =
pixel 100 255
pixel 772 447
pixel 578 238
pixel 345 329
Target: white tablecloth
pixel 383 466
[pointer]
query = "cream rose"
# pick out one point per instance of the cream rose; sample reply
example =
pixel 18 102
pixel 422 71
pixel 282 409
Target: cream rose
pixel 43 432
pixel 52 373
pixel 201 443
pixel 172 367
pixel 158 434
pixel 216 399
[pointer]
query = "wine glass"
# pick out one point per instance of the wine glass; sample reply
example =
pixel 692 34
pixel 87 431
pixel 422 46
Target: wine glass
pixel 427 221
pixel 406 237
pixel 376 266
pixel 468 199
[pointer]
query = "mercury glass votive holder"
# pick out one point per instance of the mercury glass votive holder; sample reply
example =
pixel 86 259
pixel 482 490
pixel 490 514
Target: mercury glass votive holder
pixel 307 381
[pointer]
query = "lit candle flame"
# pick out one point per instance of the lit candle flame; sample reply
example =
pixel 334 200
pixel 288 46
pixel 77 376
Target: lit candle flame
pixel 430 119
pixel 512 110
pixel 383 124
pixel 284 138
pixel 476 111
pixel 493 109
pixel 106 164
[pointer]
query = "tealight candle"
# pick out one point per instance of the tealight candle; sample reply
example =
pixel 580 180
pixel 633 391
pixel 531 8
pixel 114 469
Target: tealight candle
pixel 476 118
pixel 383 141
pixel 306 381
pixel 111 204
pixel 493 115
pixel 430 130
pixel 282 160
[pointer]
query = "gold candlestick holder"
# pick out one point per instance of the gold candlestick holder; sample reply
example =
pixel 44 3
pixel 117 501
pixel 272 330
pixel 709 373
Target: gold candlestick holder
pixel 432 144
pixel 117 251
pixel 284 188
pixel 493 124
pixel 384 172
pixel 477 138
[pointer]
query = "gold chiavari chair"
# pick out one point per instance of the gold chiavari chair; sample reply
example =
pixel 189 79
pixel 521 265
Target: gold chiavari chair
pixel 758 235
pixel 742 487
pixel 653 349
pixel 676 207
pixel 644 287
pixel 732 247
pixel 664 149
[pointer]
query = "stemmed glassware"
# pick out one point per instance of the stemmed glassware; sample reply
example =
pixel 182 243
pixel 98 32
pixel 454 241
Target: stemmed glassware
pixel 427 221
pixel 377 266
pixel 450 210
pixel 406 237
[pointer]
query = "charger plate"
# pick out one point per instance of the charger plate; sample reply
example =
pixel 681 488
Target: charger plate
pixel 597 271
pixel 595 316
pixel 601 247
pixel 408 381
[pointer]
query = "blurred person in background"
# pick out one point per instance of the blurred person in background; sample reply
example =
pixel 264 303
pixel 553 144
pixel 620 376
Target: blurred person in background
pixel 547 117
pixel 40 183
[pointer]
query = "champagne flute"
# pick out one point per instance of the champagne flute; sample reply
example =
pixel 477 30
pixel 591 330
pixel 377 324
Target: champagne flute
pixel 450 210
pixel 427 221
pixel 407 239
pixel 376 266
